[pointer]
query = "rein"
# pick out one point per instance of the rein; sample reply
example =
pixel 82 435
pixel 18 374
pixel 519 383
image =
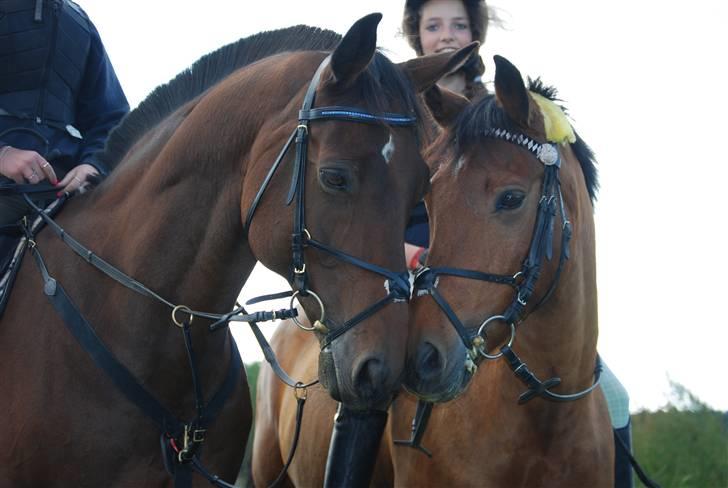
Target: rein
pixel 180 441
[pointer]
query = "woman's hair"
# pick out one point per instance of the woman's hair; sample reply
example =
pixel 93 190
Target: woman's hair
pixel 478 17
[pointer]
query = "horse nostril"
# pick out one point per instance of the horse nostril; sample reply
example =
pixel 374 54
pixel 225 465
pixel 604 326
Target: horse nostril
pixel 370 377
pixel 429 361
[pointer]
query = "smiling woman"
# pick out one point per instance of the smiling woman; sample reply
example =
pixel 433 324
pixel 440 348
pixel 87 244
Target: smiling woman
pixel 435 26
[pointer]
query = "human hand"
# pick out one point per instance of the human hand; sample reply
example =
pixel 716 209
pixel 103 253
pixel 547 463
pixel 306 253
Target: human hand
pixel 413 255
pixel 20 165
pixel 77 178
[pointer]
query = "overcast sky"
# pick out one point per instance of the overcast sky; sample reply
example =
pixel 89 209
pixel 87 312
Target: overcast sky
pixel 643 82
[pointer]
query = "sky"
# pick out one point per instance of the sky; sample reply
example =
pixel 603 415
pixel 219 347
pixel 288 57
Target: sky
pixel 643 85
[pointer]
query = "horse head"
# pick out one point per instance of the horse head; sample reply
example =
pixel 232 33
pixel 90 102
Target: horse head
pixel 332 219
pixel 500 232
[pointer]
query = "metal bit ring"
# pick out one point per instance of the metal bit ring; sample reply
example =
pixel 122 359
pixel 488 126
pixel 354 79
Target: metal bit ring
pixel 321 306
pixel 482 329
pixel 181 308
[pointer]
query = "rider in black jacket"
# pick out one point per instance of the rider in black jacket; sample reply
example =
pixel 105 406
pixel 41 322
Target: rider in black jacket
pixel 59 98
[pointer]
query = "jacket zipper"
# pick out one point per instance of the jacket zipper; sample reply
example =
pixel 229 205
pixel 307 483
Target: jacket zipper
pixel 39 114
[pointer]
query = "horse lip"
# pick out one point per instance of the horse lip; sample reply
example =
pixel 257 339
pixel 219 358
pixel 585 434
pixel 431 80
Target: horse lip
pixel 341 389
pixel 443 389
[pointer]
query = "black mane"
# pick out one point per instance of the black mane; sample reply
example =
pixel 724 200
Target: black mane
pixel 206 72
pixel 479 117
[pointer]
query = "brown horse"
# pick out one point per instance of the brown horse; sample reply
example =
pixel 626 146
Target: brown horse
pixel 506 280
pixel 190 207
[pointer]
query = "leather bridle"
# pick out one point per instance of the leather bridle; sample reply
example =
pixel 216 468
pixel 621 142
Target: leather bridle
pixel 396 283
pixel 523 281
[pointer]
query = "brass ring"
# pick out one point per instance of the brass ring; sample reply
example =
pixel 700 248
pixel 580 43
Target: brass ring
pixel 481 329
pixel 321 306
pixel 181 308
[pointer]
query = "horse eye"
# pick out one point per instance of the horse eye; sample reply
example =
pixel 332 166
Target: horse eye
pixel 333 179
pixel 510 200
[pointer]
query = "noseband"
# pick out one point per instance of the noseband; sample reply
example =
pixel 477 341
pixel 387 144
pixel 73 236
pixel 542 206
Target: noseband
pixel 523 281
pixel 396 284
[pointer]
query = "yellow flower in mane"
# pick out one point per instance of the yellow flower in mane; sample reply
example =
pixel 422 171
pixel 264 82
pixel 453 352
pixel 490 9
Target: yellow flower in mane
pixel 558 128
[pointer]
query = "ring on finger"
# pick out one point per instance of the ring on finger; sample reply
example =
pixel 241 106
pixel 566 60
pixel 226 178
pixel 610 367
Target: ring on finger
pixel 44 165
pixel 77 179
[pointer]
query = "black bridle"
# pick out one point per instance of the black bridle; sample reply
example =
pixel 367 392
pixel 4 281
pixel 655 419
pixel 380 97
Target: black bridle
pixel 523 283
pixel 396 283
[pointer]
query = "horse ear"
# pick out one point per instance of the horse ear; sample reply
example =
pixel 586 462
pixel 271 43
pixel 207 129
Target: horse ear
pixel 444 105
pixel 356 50
pixel 510 91
pixel 425 71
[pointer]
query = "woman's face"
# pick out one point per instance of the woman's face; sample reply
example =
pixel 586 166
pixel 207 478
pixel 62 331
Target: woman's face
pixel 444 26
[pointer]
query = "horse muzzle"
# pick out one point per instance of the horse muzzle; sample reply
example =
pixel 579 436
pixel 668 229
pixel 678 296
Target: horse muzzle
pixel 361 384
pixel 436 374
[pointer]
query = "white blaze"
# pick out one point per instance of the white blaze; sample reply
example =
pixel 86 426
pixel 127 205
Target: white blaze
pixel 388 149
pixel 459 164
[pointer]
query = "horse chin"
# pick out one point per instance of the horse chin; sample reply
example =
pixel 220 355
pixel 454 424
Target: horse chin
pixel 363 396
pixel 436 373
pixel 441 393
pixel 446 385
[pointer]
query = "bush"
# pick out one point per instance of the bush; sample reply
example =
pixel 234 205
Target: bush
pixel 683 445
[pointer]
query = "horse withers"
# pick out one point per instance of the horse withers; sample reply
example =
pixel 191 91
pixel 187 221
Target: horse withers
pixel 191 205
pixel 510 278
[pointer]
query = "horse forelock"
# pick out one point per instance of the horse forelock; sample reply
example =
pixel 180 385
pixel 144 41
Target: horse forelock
pixel 486 114
pixel 386 85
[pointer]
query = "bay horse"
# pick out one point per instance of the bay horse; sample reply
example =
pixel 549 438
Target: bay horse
pixel 277 407
pixel 201 190
pixel 510 275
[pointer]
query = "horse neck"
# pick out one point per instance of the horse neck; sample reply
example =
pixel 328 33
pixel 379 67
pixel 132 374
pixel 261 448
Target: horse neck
pixel 178 217
pixel 170 218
